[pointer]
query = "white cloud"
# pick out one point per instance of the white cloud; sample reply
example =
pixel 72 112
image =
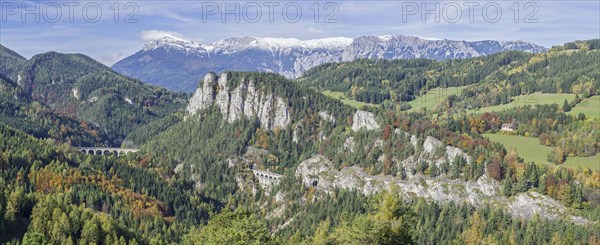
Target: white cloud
pixel 109 60
pixel 154 34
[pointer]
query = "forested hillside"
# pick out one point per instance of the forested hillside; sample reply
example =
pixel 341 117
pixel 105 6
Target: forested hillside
pixel 20 111
pixel 513 79
pixel 256 158
pixel 571 68
pixel 218 162
pixel 10 62
pixel 196 146
pixel 77 86
pixel 375 81
pixel 55 194
pixel 557 71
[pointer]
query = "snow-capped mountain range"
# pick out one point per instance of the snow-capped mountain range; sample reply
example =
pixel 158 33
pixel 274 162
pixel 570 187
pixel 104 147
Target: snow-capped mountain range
pixel 178 64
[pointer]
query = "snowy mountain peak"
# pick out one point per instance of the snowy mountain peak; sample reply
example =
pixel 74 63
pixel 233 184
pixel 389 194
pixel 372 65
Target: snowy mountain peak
pixel 176 63
pixel 231 45
pixel 390 38
pixel 286 43
pixel 271 43
pixel 171 42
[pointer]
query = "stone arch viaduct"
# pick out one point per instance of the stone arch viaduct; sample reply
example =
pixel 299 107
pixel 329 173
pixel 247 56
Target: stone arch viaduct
pixel 267 178
pixel 106 150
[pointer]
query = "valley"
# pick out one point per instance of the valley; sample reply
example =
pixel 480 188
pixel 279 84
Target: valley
pixel 470 147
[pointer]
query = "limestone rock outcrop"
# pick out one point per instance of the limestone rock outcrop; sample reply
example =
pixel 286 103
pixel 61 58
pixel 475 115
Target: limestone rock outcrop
pixel 245 100
pixel 320 173
pixel 364 120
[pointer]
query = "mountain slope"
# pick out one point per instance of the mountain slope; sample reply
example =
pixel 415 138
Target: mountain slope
pixel 175 63
pixel 43 122
pixel 374 81
pixel 10 62
pixel 341 175
pixel 80 87
pixel 327 156
pixel 236 110
pixel 18 110
pixel 491 80
pixel 46 185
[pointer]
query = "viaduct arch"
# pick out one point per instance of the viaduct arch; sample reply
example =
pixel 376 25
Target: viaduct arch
pixel 267 178
pixel 106 150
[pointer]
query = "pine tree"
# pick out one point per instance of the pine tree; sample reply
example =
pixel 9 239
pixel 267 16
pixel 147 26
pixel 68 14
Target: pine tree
pixel 566 107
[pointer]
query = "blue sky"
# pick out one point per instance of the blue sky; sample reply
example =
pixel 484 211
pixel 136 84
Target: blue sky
pixel 546 23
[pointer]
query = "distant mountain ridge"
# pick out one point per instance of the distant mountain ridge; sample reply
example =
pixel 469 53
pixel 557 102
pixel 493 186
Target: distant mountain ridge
pixel 177 64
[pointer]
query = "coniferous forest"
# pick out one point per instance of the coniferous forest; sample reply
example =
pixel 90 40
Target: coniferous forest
pixel 384 173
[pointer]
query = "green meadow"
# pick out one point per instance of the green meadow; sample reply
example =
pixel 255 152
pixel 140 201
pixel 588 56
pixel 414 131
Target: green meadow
pixel 590 107
pixel 530 99
pixel 433 98
pixel 531 150
pixel 351 102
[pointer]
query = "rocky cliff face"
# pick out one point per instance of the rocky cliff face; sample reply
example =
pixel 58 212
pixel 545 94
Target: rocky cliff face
pixel 320 173
pixel 245 100
pixel 364 120
pixel 175 63
pixel 452 152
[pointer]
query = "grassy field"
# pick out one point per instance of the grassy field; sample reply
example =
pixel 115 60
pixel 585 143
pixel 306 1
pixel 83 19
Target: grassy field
pixel 531 150
pixel 433 98
pixel 584 162
pixel 590 107
pixel 429 100
pixel 347 101
pixel 531 99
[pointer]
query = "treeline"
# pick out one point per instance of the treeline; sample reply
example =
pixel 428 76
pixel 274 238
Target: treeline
pixel 573 188
pixel 202 155
pixel 193 144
